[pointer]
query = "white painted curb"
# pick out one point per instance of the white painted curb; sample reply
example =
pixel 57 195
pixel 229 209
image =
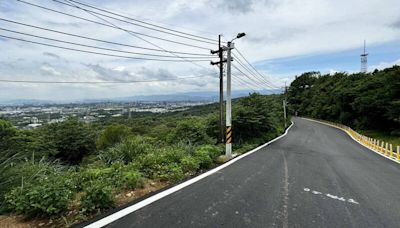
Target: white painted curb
pixel 392 159
pixel 119 214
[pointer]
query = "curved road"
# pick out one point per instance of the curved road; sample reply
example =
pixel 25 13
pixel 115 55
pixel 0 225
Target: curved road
pixel 316 176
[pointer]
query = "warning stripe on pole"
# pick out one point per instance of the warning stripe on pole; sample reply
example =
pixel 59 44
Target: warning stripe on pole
pixel 228 135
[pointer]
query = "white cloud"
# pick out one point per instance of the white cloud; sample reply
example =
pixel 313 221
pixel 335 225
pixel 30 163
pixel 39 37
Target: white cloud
pixel 383 65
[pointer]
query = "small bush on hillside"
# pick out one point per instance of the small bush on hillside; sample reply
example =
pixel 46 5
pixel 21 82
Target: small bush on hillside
pixel 97 196
pixel 49 196
pixel 189 164
pixel 170 172
pixel 128 150
pixel 206 155
pixel 205 161
pixel 112 135
pixel 191 130
pixel 13 175
pixel 131 177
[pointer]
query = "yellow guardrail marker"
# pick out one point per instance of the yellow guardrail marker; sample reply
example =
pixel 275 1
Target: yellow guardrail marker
pixel 386 149
pixel 391 151
pixel 398 152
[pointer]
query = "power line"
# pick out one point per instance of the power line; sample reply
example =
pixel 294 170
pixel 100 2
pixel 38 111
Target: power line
pixel 242 82
pixel 253 66
pixel 260 79
pixel 103 41
pixel 99 53
pixel 99 82
pixel 143 26
pixel 141 38
pixel 247 76
pixel 99 23
pixel 96 47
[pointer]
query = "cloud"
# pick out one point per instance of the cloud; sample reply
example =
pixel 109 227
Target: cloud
pixel 383 65
pixel 51 55
pixel 46 69
pixel 156 74
pixel 396 24
pixel 108 74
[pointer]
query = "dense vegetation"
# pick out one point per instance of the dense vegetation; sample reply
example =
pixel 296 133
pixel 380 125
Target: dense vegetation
pixel 363 101
pixel 58 167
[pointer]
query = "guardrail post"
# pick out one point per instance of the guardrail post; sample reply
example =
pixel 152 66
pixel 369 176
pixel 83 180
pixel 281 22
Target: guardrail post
pixel 386 149
pixel 391 151
pixel 398 152
pixel 382 147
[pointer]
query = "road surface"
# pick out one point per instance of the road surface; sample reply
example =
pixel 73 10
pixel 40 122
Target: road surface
pixel 316 176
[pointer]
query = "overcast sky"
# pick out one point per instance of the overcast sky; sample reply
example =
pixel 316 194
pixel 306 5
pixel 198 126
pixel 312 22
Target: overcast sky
pixel 284 38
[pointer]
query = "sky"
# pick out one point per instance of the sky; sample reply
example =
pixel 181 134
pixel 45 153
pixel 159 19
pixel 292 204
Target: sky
pixel 284 38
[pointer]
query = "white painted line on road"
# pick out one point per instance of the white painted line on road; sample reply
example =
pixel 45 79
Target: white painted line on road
pixel 316 193
pixel 342 199
pixel 373 150
pixel 119 214
pixel 352 201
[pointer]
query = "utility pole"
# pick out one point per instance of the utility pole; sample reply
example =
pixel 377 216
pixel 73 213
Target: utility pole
pixel 230 46
pixel 284 112
pixel 284 106
pixel 228 145
pixel 221 61
pixel 228 149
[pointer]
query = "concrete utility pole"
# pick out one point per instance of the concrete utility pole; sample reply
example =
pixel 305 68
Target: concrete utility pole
pixel 284 106
pixel 228 150
pixel 228 146
pixel 284 112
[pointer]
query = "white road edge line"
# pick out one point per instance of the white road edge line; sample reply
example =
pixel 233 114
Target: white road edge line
pixel 119 214
pixel 392 159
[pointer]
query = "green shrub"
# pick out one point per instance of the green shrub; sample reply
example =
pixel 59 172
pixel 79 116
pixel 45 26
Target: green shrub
pixel 204 159
pixel 212 150
pixel 97 196
pixel 189 164
pixel 128 150
pixel 206 155
pixel 170 172
pixel 48 196
pixel 26 172
pixel 131 177
pixel 112 135
pixel 190 130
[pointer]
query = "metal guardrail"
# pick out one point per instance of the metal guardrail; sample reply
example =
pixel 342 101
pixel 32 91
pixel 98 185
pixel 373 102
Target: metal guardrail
pixel 384 148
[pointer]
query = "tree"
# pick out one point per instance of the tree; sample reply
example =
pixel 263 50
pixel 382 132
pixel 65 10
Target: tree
pixel 364 101
pixel 71 140
pixel 252 118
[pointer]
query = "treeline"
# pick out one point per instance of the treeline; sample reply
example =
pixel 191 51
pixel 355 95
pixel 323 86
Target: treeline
pixel 363 101
pixel 74 169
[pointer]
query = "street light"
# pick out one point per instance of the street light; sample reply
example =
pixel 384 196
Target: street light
pixel 228 148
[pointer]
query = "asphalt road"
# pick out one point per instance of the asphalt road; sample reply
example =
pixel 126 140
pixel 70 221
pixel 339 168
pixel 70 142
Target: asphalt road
pixel 316 176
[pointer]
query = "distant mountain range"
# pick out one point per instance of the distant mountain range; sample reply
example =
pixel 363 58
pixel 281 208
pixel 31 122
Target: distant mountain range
pixel 189 96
